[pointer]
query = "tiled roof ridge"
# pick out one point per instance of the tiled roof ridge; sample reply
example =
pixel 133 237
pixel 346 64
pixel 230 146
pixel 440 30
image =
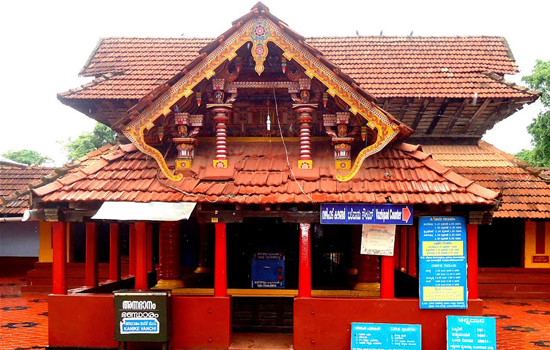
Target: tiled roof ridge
pixel 415 151
pixel 500 79
pixel 107 153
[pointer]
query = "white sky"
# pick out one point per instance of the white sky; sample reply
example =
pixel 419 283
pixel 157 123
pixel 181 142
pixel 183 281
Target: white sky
pixel 46 43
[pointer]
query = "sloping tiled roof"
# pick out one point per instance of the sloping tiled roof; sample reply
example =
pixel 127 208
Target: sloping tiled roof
pixel 448 67
pixel 14 187
pixel 524 195
pixel 401 173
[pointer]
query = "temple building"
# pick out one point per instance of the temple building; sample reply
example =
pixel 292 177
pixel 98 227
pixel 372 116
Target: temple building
pixel 240 154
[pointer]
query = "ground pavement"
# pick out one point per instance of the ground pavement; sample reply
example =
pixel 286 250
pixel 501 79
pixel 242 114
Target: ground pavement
pixel 521 324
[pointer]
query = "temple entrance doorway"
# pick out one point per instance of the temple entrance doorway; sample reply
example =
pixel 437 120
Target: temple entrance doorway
pixel 262 266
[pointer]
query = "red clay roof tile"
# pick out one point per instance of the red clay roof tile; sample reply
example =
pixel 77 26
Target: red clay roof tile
pixel 454 67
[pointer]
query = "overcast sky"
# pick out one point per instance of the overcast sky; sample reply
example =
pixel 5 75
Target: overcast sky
pixel 46 43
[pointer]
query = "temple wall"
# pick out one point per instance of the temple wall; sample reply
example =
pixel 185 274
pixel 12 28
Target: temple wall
pixel 537 244
pixel 19 239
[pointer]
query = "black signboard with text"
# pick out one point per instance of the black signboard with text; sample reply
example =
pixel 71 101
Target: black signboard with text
pixel 141 316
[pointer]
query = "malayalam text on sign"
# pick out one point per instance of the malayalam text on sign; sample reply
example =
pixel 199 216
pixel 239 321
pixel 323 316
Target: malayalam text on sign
pixel 443 282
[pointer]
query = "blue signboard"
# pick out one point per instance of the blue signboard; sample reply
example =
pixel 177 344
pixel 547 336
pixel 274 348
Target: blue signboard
pixel 379 336
pixel 465 332
pixel 268 270
pixel 442 268
pixel 360 214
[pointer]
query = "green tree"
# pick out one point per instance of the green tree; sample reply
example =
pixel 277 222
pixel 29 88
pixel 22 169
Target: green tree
pixel 89 141
pixel 540 128
pixel 26 156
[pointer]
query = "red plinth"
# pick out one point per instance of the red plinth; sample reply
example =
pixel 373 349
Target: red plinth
pixel 304 267
pixel 387 283
pixel 141 256
pixel 59 258
pixel 114 253
pixel 91 279
pixel 471 240
pixel 220 262
pixel 169 250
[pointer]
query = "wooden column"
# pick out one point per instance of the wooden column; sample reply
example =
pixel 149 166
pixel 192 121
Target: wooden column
pixel 368 273
pixel 304 267
pixel 132 250
pixel 59 238
pixel 114 252
pixel 412 250
pixel 141 256
pixel 387 284
pixel 220 261
pixel 471 249
pixel 91 274
pixel 403 251
pixel 149 248
pixel 169 274
pixel 203 250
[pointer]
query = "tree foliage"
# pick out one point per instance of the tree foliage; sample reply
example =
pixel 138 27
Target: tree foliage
pixel 540 128
pixel 89 141
pixel 26 156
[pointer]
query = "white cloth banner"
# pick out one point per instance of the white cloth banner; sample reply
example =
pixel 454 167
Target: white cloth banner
pixel 378 240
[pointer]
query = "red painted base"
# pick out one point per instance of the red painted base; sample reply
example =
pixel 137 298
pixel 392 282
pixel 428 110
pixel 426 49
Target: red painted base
pixel 322 323
pixel 86 320
pixel 201 322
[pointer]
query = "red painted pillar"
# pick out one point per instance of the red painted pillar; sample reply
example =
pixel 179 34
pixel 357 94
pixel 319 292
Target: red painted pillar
pixel 91 278
pixel 304 267
pixel 471 240
pixel 132 250
pixel 220 261
pixel 149 248
pixel 59 257
pixel 402 232
pixel 141 256
pixel 114 252
pixel 387 278
pixel 169 274
pixel 412 251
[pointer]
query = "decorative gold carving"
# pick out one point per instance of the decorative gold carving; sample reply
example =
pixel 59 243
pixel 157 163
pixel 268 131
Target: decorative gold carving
pixel 387 130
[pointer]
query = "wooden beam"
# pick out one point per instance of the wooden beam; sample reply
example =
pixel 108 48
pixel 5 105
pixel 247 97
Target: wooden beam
pixel 420 113
pixel 228 216
pixel 503 111
pixel 438 116
pixel 403 110
pixel 386 104
pixel 455 117
pixel 476 115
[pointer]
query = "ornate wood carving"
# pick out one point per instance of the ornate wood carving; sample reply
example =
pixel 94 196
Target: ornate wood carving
pixel 261 31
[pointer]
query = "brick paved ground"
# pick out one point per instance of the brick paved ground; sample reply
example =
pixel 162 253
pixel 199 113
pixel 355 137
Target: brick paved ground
pixel 521 324
pixel 23 318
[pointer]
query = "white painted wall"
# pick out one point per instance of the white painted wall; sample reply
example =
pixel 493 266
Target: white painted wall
pixel 19 239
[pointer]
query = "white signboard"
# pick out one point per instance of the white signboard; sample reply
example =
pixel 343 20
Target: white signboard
pixel 378 240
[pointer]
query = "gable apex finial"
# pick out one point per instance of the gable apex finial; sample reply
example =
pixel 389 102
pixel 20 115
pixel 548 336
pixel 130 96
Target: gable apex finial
pixel 260 7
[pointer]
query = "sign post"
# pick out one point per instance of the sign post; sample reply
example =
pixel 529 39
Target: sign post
pixel 360 214
pixel 466 332
pixel 141 316
pixel 443 282
pixel 377 336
